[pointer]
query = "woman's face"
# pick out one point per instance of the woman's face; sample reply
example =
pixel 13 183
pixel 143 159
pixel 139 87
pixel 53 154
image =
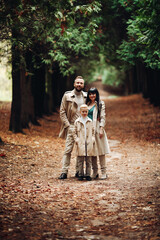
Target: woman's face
pixel 92 96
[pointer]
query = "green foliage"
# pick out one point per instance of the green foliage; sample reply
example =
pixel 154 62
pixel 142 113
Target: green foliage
pixel 143 32
pixel 112 30
pixel 55 31
pixel 113 77
pixel 71 32
pixel 129 32
pixel 94 68
pixel 87 66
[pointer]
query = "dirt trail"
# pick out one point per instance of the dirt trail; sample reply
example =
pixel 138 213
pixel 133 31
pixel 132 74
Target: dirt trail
pixel 36 205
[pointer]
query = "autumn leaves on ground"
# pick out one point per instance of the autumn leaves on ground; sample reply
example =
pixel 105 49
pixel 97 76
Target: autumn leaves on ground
pixel 35 204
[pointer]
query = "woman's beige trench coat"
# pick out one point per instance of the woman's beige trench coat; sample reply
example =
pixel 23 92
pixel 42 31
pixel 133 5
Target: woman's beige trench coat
pixel 102 145
pixel 79 137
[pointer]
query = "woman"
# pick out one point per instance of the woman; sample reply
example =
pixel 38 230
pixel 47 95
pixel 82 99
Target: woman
pixel 97 114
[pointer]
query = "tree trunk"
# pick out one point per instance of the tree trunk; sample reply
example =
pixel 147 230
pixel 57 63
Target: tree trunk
pixel 48 101
pixel 24 101
pixel 15 119
pixel 148 83
pixel 129 82
pixel 154 86
pixel 30 106
pixel 38 90
pixel 28 89
pixel 58 86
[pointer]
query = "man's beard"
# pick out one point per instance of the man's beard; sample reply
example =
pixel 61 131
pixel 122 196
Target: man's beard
pixel 78 90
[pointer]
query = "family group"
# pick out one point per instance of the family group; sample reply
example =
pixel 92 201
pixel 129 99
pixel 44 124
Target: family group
pixel 83 120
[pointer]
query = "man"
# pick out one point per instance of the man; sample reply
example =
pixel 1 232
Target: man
pixel 69 112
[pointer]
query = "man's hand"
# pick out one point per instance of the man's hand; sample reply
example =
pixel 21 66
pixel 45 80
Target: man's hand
pixel 77 140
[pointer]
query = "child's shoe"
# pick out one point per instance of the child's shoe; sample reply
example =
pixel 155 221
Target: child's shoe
pixel 80 178
pixel 88 178
pixel 77 174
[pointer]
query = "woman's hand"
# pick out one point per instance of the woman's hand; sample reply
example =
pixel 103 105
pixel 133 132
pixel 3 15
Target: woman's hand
pixel 101 132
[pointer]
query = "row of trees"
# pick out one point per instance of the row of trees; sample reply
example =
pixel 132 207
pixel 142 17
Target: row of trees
pixel 53 41
pixel 47 39
pixel 140 50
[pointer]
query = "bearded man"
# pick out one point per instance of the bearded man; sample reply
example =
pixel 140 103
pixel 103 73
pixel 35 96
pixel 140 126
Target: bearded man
pixel 69 112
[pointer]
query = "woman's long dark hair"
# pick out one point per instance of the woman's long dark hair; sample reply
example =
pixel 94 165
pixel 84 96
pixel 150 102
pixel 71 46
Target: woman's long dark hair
pixel 94 90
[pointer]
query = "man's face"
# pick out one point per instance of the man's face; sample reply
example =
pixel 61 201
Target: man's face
pixel 84 112
pixel 79 84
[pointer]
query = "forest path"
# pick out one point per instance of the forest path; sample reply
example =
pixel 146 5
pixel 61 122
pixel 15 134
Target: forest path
pixel 102 92
pixel 35 204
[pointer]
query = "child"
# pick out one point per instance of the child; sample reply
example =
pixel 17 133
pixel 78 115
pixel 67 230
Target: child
pixel 84 137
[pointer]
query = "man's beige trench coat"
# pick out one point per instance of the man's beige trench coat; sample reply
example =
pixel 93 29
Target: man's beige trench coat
pixel 79 138
pixel 68 110
pixel 102 145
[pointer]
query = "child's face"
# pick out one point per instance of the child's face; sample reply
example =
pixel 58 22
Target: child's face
pixel 84 112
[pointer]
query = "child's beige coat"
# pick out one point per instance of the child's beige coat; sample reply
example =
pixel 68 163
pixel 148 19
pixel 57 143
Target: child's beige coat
pixel 79 137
